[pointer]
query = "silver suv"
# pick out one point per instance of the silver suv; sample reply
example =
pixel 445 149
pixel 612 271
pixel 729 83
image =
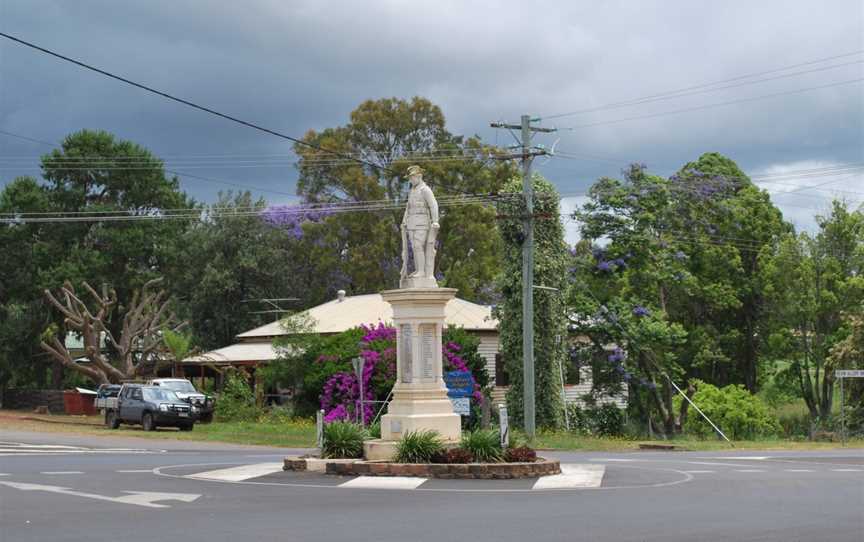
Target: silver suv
pixel 202 405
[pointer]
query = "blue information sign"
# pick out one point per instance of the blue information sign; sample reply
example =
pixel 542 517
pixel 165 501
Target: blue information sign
pixel 459 384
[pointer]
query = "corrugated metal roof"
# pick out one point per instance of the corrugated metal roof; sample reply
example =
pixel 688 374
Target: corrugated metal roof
pixel 251 351
pixel 352 311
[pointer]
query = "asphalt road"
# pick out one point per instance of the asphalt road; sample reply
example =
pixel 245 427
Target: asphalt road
pixel 73 488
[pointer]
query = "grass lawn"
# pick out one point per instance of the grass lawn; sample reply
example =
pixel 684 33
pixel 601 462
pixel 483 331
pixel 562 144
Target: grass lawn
pixel 293 434
pixel 301 434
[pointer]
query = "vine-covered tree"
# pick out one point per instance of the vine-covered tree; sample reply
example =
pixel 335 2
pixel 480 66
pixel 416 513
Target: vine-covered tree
pixel 550 325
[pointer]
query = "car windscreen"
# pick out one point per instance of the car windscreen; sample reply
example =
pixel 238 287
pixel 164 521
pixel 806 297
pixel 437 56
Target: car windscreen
pixel 179 385
pixel 155 394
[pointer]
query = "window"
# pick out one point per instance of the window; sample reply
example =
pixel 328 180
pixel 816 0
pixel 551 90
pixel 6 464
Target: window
pixel 501 376
pixel 136 394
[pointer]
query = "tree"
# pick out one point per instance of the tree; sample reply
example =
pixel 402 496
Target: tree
pixel 682 253
pixel 177 346
pixel 550 328
pixel 91 172
pixel 135 351
pixel 231 259
pixel 810 281
pixel 361 249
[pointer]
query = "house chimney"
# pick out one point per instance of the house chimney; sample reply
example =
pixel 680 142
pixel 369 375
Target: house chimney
pixel 340 296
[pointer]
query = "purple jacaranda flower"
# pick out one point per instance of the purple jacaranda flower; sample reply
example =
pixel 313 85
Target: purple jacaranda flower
pixel 617 356
pixel 605 266
pixel 640 311
pixel 680 256
pixel 292 217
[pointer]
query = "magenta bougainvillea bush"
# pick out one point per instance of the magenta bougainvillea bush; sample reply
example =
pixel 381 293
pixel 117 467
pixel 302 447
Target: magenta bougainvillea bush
pixel 340 397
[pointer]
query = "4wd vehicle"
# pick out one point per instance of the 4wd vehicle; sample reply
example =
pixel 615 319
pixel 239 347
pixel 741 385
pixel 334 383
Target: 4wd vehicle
pixel 150 406
pixel 202 405
pixel 106 396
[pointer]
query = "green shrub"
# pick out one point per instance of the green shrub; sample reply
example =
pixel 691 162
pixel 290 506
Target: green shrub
pixel 523 454
pixel 374 430
pixel 418 447
pixel 736 411
pixel 484 445
pixel 606 420
pixel 236 402
pixel 278 415
pixel 343 440
pixel 578 419
pixel 794 420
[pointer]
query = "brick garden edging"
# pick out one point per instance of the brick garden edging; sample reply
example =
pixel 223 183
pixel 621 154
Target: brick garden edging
pixel 465 471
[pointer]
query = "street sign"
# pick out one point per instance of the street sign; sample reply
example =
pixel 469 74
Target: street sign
pixel 461 405
pixel 459 384
pixel 849 373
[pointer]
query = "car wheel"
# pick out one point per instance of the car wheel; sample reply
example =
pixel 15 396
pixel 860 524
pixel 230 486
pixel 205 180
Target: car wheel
pixel 187 427
pixel 111 420
pixel 147 422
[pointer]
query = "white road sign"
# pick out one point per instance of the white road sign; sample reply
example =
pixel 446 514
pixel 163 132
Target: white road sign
pixel 849 373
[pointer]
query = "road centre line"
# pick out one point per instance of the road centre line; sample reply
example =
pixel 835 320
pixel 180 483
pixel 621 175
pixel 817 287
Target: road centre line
pixel 62 472
pixel 798 470
pixel 749 470
pixel 847 470
pixel 131 471
pixel 700 471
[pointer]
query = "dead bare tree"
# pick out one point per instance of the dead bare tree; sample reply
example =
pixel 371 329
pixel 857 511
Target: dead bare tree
pixel 135 353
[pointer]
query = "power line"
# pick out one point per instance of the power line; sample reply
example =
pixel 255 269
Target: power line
pixel 675 93
pixel 187 102
pixel 718 104
pixel 172 171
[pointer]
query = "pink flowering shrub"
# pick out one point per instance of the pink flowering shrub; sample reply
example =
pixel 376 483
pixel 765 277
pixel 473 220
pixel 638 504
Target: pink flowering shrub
pixel 340 395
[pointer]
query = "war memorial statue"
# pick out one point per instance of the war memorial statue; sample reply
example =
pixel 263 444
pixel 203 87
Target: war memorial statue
pixel 419 232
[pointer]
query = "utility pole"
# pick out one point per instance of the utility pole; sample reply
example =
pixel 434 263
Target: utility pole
pixel 527 156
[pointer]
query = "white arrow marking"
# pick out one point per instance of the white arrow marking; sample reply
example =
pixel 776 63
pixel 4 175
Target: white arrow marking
pixel 140 498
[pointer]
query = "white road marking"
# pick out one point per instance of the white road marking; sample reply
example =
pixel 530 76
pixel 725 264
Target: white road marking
pixel 62 472
pixel 717 464
pixel 797 470
pixel 382 482
pixel 846 470
pixel 573 476
pixel 3 474
pixel 138 498
pixel 135 471
pixel 699 471
pixel 13 449
pixel 749 470
pixel 604 459
pixel 238 474
pixel 743 458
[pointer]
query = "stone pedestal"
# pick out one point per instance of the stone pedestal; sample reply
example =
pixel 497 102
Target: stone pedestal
pixel 420 400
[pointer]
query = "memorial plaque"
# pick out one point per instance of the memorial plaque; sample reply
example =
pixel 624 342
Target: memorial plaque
pixel 427 335
pixel 406 359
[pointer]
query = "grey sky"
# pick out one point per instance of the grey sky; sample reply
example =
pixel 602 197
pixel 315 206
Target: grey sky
pixel 298 65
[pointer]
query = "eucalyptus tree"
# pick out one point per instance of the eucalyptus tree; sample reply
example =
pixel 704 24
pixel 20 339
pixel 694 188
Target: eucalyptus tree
pixel 810 282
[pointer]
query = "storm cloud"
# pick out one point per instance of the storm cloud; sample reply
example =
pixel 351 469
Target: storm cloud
pixel 300 65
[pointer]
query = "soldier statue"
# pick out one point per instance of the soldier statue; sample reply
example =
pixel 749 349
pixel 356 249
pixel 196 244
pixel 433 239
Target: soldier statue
pixel 420 229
